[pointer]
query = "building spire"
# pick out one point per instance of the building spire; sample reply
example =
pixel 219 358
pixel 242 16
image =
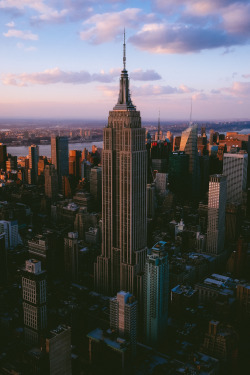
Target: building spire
pixel 124 51
pixel 124 99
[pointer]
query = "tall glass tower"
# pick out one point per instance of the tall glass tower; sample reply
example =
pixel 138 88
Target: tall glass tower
pixel 124 184
pixel 60 156
pixel 189 145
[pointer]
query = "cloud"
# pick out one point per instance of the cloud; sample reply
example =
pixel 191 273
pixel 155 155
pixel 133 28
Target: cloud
pixel 56 75
pixel 148 75
pixel 162 38
pixel 46 13
pixel 53 76
pixel 199 96
pixel 105 27
pixel 238 89
pixel 27 35
pixel 148 90
pixel 192 26
pixel 10 24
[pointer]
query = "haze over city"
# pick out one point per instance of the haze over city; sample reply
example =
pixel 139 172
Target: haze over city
pixel 62 59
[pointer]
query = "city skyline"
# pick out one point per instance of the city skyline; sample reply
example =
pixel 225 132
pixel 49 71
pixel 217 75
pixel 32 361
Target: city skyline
pixel 62 58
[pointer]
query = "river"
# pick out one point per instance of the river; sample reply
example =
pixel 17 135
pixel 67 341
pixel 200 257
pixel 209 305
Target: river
pixel 45 150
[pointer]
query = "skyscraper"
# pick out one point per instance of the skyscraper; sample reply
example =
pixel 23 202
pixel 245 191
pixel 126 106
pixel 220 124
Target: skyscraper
pixel 217 196
pixel 51 181
pixel 124 183
pixel 3 156
pixel 60 156
pixel 58 350
pixel 34 301
pixel 189 145
pixel 75 163
pixel 123 317
pixel 156 285
pixel 235 168
pixel 33 164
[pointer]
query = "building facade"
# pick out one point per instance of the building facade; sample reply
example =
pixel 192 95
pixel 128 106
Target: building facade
pixel 60 156
pixel 34 301
pixel 156 286
pixel 217 196
pixel 123 317
pixel 51 181
pixel 124 184
pixel 235 168
pixel 189 145
pixel 58 350
pixel 33 164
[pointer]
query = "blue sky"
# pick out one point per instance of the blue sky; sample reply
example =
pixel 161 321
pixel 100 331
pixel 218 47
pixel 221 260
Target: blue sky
pixel 62 58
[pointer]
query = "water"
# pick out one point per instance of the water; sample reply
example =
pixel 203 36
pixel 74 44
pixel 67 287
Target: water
pixel 45 150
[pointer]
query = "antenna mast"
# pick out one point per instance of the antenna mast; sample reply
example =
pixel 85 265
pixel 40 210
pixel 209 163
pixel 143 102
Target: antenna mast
pixel 124 52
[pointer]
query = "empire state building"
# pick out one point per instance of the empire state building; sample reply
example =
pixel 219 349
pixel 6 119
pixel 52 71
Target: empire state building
pixel 124 182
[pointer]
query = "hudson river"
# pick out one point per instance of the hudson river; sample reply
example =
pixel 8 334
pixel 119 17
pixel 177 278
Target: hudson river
pixel 45 150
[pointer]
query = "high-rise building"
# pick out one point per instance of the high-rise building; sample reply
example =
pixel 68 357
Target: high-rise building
pixel 189 145
pixel 75 163
pixel 12 237
pixel 3 156
pixel 60 156
pixel 11 163
pixel 217 196
pixel 178 173
pixel 123 317
pixel 156 289
pixel 33 164
pixel 71 256
pixel 235 168
pixel 96 182
pixel 124 184
pixel 51 181
pixel 58 350
pixel 34 301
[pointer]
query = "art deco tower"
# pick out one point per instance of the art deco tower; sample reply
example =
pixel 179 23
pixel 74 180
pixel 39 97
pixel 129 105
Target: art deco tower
pixel 124 183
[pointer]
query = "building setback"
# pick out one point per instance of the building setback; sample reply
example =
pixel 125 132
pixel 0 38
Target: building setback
pixel 124 183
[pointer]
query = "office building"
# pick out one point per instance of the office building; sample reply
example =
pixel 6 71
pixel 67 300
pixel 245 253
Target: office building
pixel 123 317
pixel 217 196
pixel 60 156
pixel 178 176
pixel 156 288
pixel 58 351
pixel 12 237
pixel 124 184
pixel 3 156
pixel 96 183
pixel 235 168
pixel 11 163
pixel 33 164
pixel 75 157
pixel 71 256
pixel 189 145
pixel 51 182
pixel 34 301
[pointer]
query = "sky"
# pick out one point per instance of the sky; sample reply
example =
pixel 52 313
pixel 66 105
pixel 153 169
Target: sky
pixel 63 58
